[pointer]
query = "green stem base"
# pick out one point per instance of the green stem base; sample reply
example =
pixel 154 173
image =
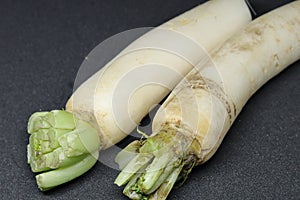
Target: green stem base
pixel 156 165
pixel 61 147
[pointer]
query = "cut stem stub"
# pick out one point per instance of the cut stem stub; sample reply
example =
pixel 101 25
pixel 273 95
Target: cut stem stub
pixel 61 147
pixel 158 163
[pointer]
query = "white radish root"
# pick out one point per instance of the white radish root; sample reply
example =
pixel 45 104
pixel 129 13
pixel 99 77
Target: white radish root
pixel 108 106
pixel 191 124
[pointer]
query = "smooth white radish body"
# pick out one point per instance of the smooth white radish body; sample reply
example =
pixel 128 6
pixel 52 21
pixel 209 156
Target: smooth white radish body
pixel 156 62
pixel 191 124
pixel 108 106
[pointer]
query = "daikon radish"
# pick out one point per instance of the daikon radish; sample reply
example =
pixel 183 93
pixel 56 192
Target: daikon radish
pixel 107 107
pixel 191 124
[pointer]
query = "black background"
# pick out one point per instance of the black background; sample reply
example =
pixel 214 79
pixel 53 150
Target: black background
pixel 42 44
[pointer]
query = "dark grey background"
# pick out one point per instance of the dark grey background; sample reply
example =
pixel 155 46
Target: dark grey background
pixel 42 44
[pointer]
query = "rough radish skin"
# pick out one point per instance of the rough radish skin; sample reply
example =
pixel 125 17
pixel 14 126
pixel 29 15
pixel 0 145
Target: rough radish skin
pixel 192 122
pixel 65 144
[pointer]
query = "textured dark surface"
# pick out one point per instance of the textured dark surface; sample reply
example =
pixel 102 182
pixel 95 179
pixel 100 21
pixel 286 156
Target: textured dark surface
pixel 42 44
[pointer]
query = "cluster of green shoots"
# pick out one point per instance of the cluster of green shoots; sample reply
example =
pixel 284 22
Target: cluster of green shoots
pixel 151 167
pixel 61 147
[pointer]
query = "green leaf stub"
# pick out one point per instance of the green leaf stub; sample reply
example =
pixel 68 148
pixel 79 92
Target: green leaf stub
pixel 58 143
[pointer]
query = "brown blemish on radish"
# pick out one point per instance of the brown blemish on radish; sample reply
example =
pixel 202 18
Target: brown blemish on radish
pixel 276 60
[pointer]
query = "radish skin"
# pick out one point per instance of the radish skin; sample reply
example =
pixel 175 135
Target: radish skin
pixel 192 122
pixel 204 29
pixel 107 107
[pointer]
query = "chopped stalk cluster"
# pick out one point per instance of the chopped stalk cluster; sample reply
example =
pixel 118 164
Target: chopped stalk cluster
pixel 61 146
pixel 151 167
